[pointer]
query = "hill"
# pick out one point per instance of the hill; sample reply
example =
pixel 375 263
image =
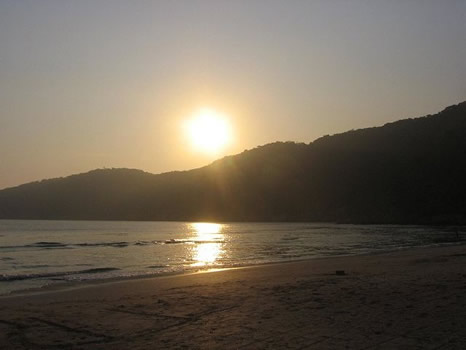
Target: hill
pixel 410 171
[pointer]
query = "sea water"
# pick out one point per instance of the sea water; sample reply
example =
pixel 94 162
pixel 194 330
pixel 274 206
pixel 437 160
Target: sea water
pixel 35 254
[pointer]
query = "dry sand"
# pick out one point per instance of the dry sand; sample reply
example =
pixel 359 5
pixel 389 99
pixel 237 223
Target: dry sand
pixel 405 300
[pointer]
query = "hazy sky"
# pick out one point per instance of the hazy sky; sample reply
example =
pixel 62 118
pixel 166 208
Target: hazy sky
pixel 91 84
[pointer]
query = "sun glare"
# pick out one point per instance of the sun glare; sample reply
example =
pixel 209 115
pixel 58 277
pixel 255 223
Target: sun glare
pixel 208 131
pixel 208 237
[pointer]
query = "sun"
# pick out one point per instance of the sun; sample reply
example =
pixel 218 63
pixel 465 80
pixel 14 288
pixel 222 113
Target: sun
pixel 208 131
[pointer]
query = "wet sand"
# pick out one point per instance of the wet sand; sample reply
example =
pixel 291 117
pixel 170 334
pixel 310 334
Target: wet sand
pixel 412 299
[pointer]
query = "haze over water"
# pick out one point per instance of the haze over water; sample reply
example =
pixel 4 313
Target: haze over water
pixel 34 254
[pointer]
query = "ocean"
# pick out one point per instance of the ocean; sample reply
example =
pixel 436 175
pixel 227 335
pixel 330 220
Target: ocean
pixel 38 254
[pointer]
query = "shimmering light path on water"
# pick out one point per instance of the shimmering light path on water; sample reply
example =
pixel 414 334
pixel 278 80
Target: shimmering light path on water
pixel 38 253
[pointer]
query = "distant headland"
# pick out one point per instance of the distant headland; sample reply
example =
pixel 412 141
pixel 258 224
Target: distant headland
pixel 411 171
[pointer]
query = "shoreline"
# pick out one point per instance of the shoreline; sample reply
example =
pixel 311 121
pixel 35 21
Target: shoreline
pixel 405 299
pixel 73 285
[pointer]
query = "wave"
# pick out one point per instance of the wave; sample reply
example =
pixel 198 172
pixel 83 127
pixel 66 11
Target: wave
pixel 27 276
pixel 188 241
pixel 48 244
pixel 158 266
pixel 122 244
pixel 38 245
pixel 59 245
pixel 103 244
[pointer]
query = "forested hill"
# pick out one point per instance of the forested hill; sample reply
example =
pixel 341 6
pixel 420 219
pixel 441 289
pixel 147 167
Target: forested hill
pixel 410 171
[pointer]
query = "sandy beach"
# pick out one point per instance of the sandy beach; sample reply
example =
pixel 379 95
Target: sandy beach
pixel 401 300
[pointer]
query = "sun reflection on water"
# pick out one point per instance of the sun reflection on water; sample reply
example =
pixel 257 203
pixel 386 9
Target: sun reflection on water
pixel 209 243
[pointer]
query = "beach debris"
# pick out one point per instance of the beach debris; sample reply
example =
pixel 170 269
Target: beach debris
pixel 340 272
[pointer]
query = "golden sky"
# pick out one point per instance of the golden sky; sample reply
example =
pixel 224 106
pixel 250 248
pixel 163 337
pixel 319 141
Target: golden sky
pixel 91 84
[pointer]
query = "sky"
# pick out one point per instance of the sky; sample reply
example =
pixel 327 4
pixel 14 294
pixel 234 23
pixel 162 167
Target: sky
pixel 93 84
